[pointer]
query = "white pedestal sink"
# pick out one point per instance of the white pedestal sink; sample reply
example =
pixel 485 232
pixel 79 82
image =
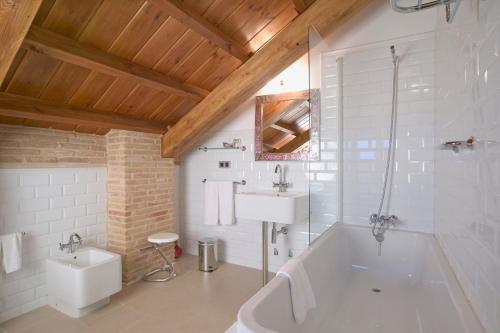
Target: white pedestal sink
pixel 80 282
pixel 275 207
pixel 279 207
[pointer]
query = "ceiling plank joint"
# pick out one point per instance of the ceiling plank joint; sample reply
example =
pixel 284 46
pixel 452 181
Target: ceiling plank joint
pixel 301 5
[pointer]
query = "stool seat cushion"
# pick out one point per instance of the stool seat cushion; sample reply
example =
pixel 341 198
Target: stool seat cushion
pixel 163 238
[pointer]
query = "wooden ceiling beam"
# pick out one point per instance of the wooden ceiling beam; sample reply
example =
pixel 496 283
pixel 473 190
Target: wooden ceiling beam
pixel 295 143
pixel 34 109
pixel 285 128
pixel 275 56
pixel 15 20
pixel 69 50
pixel 278 114
pixel 182 13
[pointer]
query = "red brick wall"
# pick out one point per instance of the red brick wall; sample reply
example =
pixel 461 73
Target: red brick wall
pixel 22 145
pixel 141 188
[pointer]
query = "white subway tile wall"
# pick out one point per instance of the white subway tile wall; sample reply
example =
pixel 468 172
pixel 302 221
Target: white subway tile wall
pixel 48 204
pixel 367 96
pixel 467 189
pixel 239 243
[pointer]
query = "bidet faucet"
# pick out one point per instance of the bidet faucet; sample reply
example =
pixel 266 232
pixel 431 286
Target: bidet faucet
pixel 281 185
pixel 71 244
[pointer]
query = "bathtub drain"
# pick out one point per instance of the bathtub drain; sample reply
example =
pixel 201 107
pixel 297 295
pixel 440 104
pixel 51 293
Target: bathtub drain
pixel 376 290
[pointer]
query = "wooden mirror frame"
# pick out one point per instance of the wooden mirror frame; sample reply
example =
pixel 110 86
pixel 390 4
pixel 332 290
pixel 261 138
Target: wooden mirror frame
pixel 313 96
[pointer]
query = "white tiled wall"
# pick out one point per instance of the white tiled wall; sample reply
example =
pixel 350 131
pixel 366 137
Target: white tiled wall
pixel 240 243
pixel 48 204
pixel 367 96
pixel 467 189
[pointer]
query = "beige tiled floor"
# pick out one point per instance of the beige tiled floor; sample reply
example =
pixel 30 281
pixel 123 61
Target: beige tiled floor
pixel 193 302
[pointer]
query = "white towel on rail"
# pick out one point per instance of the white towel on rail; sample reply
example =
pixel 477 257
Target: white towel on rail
pixel 226 202
pixel 301 291
pixel 211 203
pixel 11 245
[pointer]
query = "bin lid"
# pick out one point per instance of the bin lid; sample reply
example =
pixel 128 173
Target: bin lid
pixel 207 241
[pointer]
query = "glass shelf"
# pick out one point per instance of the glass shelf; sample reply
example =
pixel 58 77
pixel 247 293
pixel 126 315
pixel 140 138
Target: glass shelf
pixel 242 148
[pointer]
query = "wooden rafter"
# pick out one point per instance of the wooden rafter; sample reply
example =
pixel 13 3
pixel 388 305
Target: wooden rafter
pixel 182 13
pixel 15 19
pixel 66 49
pixel 279 53
pixel 295 143
pixel 35 109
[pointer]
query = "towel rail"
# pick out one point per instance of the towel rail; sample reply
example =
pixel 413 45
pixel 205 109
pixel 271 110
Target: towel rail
pixel 243 182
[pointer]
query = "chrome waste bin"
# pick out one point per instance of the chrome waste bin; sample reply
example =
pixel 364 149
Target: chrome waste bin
pixel 207 254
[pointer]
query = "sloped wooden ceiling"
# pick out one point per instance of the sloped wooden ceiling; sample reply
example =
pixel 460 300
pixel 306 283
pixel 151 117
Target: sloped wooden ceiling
pixel 326 16
pixel 181 59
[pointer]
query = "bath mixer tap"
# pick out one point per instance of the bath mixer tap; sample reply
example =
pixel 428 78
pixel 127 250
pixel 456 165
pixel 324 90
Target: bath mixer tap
pixel 281 185
pixel 381 224
pixel 71 245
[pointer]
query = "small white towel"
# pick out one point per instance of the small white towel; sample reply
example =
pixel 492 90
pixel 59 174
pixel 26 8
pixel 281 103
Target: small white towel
pixel 226 202
pixel 211 203
pixel 301 290
pixel 11 245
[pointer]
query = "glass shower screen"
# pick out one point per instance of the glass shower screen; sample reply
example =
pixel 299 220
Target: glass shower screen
pixel 323 173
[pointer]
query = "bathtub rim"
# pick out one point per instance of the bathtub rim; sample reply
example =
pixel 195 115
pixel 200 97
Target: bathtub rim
pixel 246 312
pixel 468 316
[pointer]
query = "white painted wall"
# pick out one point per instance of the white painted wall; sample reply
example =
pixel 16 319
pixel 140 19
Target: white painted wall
pixel 467 191
pixel 48 204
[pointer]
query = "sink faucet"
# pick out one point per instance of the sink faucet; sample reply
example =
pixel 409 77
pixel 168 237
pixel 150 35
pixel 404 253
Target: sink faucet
pixel 281 185
pixel 71 245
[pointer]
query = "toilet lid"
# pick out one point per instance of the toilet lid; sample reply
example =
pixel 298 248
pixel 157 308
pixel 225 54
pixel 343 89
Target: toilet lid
pixel 163 237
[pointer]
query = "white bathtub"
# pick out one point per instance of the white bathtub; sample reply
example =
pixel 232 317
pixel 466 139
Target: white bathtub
pixel 418 291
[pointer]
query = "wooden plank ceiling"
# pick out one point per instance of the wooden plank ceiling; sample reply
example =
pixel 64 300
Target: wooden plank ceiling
pixel 152 61
pixel 284 49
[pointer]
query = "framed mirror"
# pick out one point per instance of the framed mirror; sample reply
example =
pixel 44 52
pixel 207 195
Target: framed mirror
pixel 287 126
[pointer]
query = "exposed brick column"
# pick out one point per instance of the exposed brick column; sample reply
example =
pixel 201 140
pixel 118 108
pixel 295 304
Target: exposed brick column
pixel 141 188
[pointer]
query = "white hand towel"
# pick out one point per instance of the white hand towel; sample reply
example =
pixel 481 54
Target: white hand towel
pixel 300 289
pixel 211 203
pixel 11 252
pixel 226 202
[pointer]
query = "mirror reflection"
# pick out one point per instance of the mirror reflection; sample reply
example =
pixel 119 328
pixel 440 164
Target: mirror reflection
pixel 285 125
